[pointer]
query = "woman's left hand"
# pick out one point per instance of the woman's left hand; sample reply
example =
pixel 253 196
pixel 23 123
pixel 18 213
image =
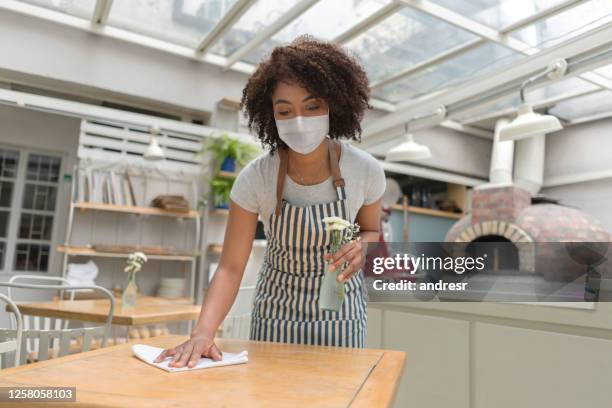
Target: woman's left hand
pixel 350 253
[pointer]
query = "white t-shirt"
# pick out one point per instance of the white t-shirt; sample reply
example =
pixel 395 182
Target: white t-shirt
pixel 255 187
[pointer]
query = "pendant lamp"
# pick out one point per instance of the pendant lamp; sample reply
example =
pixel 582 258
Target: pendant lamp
pixel 527 122
pixel 408 150
pixel 154 151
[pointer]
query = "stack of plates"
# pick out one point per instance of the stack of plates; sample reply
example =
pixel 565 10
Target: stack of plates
pixel 171 287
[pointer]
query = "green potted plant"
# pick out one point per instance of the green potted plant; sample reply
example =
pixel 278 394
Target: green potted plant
pixel 221 188
pixel 226 153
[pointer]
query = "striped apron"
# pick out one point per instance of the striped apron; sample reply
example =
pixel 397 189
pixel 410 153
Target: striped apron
pixel 286 300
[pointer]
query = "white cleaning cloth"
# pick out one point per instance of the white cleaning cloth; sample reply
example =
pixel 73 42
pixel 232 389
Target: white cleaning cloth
pixel 148 354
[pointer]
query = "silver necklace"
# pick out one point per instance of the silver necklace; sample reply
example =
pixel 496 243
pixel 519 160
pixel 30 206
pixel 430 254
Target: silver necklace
pixel 301 176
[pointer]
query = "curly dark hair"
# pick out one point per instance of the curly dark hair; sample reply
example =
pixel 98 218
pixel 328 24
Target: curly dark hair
pixel 325 70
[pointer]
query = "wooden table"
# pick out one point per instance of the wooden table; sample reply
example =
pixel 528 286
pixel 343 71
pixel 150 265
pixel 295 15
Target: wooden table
pixel 277 375
pixel 148 310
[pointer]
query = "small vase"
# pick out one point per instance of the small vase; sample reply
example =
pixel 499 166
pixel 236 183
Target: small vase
pixel 128 299
pixel 331 293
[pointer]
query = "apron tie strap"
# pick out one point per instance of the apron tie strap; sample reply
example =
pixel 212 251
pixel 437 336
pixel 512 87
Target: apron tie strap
pixel 334 146
pixel 280 180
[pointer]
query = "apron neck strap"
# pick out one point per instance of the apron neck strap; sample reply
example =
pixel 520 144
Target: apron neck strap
pixel 338 181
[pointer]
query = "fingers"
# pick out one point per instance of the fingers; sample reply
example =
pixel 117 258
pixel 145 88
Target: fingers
pixel 214 353
pixel 184 358
pixel 164 354
pixel 349 271
pixel 348 257
pixel 193 359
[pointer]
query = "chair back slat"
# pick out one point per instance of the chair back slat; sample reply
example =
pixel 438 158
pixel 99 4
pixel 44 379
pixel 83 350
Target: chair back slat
pixel 43 345
pixel 64 345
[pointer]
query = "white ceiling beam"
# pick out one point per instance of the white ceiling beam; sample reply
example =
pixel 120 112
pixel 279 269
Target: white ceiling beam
pixel 589 118
pixel 542 104
pixel 429 173
pixel 101 12
pixel 459 127
pixel 369 22
pixel 226 23
pixel 261 37
pixel 497 85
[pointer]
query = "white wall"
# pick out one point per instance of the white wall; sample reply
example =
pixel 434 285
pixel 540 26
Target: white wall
pixel 581 149
pixel 90 63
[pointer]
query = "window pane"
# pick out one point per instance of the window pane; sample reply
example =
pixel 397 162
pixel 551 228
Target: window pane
pixel 2 252
pixel 8 163
pixel 4 220
pixel 563 26
pixel 43 168
pixel 39 197
pixel 480 61
pixel 405 38
pixel 325 20
pixel 32 257
pixel 259 16
pixel 182 22
pixel 594 104
pixel 6 193
pixel 498 13
pixel 35 226
pixel 79 8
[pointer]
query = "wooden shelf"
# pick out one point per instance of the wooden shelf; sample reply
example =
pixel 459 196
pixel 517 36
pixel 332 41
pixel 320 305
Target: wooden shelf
pixel 135 210
pixel 227 174
pixel 220 211
pixel 215 249
pixel 86 251
pixel 428 211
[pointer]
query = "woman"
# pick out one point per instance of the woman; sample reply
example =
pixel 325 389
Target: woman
pixel 299 102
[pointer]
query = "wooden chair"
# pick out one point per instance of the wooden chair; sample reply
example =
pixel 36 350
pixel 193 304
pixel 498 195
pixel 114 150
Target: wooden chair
pixel 14 344
pixel 46 339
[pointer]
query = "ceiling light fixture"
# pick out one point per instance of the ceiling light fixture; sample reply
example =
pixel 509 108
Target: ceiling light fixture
pixel 154 151
pixel 409 149
pixel 527 122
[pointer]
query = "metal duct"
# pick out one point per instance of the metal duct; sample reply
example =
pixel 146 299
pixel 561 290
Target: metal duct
pixel 529 163
pixel 502 157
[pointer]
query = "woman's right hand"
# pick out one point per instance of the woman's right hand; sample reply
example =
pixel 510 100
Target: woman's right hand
pixel 189 352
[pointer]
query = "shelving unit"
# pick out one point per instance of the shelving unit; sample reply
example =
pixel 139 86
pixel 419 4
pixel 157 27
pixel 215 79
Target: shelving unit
pixel 428 211
pixel 69 250
pixel 135 210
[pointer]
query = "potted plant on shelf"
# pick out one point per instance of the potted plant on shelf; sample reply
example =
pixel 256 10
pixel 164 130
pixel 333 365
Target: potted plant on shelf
pixel 227 154
pixel 221 188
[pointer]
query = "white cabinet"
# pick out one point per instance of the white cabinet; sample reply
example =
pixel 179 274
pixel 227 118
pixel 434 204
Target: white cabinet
pixel 517 367
pixel 437 368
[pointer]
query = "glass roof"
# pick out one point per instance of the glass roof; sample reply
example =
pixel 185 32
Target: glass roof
pixel 561 27
pixel 326 20
pixel 389 45
pixel 403 39
pixel 78 8
pixel 184 22
pixel 498 14
pixel 594 104
pixel 259 16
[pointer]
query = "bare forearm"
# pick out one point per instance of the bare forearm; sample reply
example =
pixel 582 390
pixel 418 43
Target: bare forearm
pixel 218 300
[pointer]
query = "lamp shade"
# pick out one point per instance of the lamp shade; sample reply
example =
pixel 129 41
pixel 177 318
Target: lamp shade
pixel 408 150
pixel 153 152
pixel 529 123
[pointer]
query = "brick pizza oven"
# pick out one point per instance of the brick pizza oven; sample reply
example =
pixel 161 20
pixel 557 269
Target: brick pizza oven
pixel 508 214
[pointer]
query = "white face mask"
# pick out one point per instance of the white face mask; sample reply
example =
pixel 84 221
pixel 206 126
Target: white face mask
pixel 303 134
